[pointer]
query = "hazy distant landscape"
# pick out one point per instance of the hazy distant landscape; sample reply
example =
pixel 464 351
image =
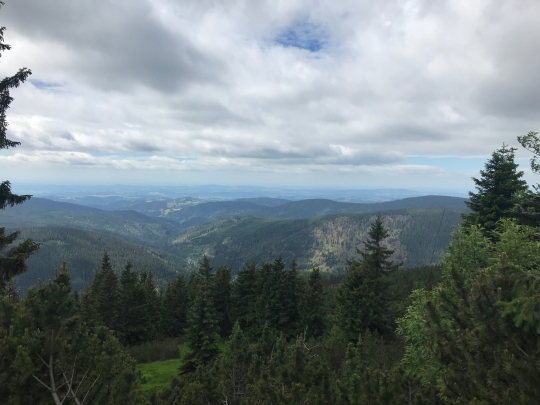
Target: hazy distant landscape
pixel 169 236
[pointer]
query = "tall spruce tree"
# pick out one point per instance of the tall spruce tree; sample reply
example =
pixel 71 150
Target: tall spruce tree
pixel 202 334
pixel 12 261
pixel 222 300
pixel 312 305
pixel 364 296
pixel 133 318
pixel 205 271
pixel 245 296
pixel 498 190
pixel 175 306
pixel 152 304
pixel 105 294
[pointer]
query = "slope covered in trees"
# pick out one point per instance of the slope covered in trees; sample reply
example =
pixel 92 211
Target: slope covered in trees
pixel 419 236
pixel 130 225
pixel 82 252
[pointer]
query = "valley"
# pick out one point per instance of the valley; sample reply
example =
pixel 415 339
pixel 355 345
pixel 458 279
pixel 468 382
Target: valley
pixel 317 233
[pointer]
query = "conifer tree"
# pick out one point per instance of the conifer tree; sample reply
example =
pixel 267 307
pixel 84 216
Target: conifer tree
pixel 12 261
pixel 175 306
pixel 205 271
pixel 312 305
pixel 104 291
pixel 364 295
pixel 295 286
pixel 275 296
pixel 222 300
pixel 134 319
pixel 498 191
pixel 245 296
pixel 152 304
pixel 202 332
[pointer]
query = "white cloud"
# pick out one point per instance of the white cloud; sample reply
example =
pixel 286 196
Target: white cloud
pixel 234 84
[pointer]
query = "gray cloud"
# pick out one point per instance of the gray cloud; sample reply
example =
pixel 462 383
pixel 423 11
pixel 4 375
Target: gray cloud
pixel 117 44
pixel 295 87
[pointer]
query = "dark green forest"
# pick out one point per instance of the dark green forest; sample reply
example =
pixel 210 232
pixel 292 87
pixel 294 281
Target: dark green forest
pixel 347 308
pixel 418 236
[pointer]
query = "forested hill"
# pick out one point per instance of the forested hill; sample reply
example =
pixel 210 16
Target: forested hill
pixel 418 235
pixel 82 251
pixel 130 225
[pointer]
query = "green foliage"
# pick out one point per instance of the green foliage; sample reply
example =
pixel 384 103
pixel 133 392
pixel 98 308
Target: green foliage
pixel 82 251
pixel 498 188
pixel 532 144
pixel 245 293
pixel 202 333
pixel 52 354
pixel 312 311
pixel 104 293
pixel 364 295
pixel 155 350
pixel 134 319
pixel 475 336
pixel 175 306
pixel 222 300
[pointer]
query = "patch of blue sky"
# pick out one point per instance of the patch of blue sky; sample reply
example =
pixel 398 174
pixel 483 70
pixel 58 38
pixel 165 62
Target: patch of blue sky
pixel 303 35
pixel 452 164
pixel 43 85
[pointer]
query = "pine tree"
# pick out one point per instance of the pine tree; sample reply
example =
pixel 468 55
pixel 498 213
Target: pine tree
pixel 152 304
pixel 295 286
pixel 205 271
pixel 245 296
pixel 105 294
pixel 202 331
pixel 364 296
pixel 498 191
pixel 312 308
pixel 12 261
pixel 175 305
pixel 134 320
pixel 222 300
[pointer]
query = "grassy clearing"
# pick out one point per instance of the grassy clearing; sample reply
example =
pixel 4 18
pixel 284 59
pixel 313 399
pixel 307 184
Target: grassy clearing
pixel 159 374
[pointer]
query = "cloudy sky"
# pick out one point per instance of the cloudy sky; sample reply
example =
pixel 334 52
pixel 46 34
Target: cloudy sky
pixel 344 93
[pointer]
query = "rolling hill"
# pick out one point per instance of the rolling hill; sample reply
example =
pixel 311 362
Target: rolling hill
pixel 130 225
pixel 419 236
pixel 82 251
pixel 79 236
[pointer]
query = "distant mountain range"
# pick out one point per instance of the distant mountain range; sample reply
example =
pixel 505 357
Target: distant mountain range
pixel 317 232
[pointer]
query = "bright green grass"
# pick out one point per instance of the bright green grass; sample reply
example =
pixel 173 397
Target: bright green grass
pixel 159 374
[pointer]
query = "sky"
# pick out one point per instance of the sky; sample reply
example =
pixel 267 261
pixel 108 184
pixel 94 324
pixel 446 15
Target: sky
pixel 328 93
